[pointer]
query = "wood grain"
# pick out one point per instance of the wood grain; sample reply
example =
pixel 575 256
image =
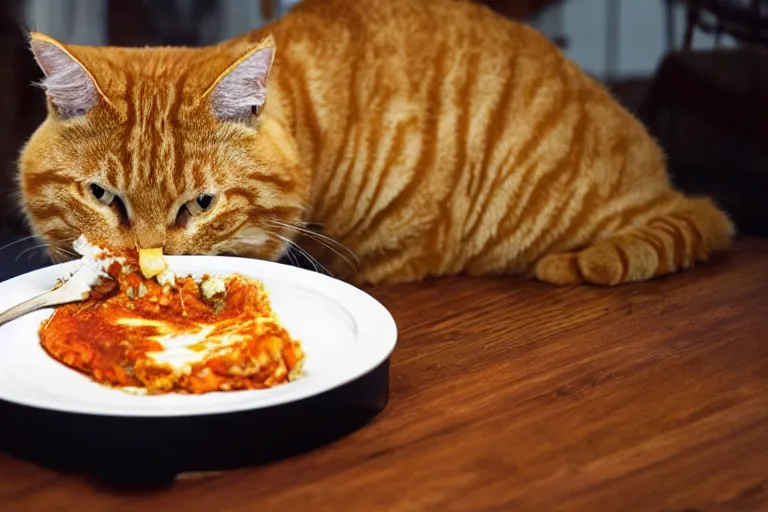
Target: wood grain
pixel 513 395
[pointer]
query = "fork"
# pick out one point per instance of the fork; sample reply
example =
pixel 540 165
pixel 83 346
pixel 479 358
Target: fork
pixel 75 289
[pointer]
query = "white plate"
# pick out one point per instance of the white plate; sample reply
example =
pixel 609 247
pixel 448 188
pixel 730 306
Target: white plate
pixel 345 334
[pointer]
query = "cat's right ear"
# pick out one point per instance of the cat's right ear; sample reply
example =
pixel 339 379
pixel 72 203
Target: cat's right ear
pixel 241 90
pixel 68 84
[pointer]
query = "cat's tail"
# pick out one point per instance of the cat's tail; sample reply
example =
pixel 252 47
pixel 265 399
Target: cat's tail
pixel 691 231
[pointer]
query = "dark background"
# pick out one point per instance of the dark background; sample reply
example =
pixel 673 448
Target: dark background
pixel 708 108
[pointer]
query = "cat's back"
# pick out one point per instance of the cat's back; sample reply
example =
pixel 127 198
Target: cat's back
pixel 339 59
pixel 415 29
pixel 413 115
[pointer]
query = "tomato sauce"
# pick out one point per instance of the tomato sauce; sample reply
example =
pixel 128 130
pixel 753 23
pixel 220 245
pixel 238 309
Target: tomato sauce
pixel 117 335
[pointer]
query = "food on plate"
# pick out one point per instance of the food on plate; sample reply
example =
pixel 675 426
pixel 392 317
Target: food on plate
pixel 167 333
pixel 151 262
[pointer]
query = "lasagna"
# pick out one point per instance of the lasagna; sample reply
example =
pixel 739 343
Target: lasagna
pixel 150 330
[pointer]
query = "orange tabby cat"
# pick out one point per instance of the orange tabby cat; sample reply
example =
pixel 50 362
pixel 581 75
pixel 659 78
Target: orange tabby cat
pixel 430 138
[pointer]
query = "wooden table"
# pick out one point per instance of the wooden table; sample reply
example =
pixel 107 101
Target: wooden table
pixel 514 395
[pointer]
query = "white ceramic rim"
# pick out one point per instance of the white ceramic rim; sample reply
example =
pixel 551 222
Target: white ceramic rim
pixel 375 327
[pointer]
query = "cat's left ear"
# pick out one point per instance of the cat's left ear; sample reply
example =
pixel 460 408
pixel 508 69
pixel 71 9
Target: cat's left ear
pixel 241 91
pixel 68 84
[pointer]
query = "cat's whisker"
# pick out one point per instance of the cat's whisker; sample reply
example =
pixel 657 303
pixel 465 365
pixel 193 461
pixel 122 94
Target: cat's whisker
pixel 259 240
pixel 353 262
pixel 65 251
pixel 28 249
pixel 57 255
pixel 292 258
pixel 336 245
pixel 18 240
pixel 290 244
pixel 329 243
pixel 318 266
pixel 301 223
pixel 302 227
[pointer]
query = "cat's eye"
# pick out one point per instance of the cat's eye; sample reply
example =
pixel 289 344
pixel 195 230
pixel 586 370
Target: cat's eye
pixel 101 194
pixel 108 198
pixel 200 204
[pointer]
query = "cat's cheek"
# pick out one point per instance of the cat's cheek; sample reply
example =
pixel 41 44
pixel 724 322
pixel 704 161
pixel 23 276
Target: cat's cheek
pixel 268 250
pixel 274 250
pixel 271 251
pixel 184 242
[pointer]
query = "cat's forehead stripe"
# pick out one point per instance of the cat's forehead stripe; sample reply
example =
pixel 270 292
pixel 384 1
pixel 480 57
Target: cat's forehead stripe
pixel 154 140
pixel 126 157
pixel 172 121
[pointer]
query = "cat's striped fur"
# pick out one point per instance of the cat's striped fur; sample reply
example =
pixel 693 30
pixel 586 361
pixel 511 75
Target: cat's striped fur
pixel 430 137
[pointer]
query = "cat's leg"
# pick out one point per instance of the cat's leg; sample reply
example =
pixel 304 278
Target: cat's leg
pixel 672 241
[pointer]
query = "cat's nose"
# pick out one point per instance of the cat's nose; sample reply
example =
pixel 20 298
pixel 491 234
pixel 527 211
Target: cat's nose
pixel 150 238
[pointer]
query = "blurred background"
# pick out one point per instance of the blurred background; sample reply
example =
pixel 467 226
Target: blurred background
pixel 694 71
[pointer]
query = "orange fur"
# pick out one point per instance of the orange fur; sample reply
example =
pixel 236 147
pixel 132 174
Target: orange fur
pixel 431 138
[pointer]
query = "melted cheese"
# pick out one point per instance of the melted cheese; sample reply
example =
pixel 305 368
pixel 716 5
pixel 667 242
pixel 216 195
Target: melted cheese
pixel 182 349
pixel 167 277
pixel 212 287
pixel 177 352
pixel 151 262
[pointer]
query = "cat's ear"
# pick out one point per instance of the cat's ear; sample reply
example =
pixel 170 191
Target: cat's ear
pixel 67 83
pixel 241 90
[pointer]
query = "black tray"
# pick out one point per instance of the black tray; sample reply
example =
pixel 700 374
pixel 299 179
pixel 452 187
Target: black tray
pixel 152 451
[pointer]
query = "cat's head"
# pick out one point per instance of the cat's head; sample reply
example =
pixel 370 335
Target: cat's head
pixel 161 147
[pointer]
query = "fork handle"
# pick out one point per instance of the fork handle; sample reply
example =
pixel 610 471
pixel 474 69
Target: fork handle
pixel 44 300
